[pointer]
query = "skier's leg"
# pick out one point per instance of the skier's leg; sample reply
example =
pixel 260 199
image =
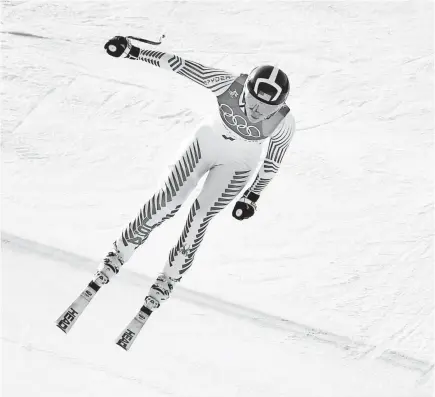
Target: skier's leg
pixel 223 184
pixel 183 177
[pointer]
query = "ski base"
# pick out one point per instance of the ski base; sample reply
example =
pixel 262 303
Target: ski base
pixel 70 315
pixel 128 336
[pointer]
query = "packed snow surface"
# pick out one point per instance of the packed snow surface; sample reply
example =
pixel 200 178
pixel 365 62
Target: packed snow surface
pixel 341 244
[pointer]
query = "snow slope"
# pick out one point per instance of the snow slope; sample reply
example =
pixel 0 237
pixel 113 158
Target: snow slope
pixel 349 218
pixel 193 347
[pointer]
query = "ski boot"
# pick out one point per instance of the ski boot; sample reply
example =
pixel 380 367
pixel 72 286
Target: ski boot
pixel 159 291
pixel 108 268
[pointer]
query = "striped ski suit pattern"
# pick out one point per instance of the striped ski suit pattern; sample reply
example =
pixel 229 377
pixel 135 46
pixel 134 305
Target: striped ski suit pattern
pixel 279 142
pixel 216 80
pixel 154 210
pixel 152 57
pixel 184 261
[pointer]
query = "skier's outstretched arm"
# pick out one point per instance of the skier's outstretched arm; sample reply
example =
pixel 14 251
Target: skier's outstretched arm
pixel 216 80
pixel 278 144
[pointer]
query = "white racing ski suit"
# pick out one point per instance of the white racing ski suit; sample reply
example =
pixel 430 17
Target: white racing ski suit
pixel 228 148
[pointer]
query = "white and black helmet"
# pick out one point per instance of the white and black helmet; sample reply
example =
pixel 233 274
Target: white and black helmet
pixel 268 84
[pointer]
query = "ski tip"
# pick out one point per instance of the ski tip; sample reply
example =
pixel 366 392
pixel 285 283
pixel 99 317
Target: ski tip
pixel 123 346
pixel 67 319
pixel 126 339
pixel 63 329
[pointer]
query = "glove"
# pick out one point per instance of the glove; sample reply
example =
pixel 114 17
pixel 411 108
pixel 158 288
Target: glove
pixel 246 206
pixel 116 46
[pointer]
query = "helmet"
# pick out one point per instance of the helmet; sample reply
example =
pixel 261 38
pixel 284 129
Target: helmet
pixel 268 84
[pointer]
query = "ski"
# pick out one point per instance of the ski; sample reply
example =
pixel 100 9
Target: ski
pixel 128 336
pixel 70 315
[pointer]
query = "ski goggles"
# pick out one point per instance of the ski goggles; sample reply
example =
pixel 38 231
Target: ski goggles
pixel 266 91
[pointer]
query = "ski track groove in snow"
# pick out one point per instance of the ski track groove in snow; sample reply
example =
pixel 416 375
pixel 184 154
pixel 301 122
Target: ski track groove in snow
pixel 354 348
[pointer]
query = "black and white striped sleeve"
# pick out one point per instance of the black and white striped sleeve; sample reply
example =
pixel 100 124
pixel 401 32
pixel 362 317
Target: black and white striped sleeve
pixel 216 80
pixel 276 150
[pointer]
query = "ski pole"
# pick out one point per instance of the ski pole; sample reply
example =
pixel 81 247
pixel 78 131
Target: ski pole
pixel 148 41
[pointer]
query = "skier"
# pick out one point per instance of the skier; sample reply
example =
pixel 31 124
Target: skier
pixel 251 109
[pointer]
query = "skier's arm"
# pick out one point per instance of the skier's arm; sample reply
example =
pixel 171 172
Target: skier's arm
pixel 278 145
pixel 216 80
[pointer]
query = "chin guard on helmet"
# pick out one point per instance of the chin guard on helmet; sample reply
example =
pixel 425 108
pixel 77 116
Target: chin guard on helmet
pixel 257 106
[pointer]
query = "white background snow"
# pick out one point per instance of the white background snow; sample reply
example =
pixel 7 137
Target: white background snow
pixel 342 242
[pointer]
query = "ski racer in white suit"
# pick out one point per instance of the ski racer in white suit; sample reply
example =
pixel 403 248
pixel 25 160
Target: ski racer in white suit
pixel 251 109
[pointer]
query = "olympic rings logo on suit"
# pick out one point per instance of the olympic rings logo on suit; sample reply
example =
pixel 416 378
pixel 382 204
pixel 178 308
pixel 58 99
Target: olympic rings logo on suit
pixel 239 122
